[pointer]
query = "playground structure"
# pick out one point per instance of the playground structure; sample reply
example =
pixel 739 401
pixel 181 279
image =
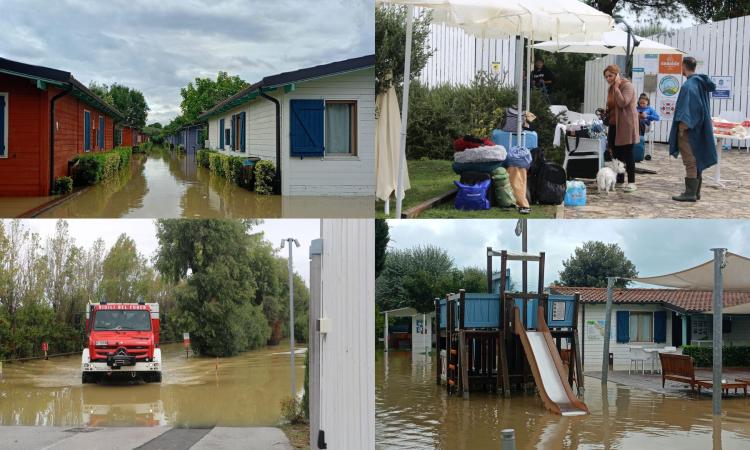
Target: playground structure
pixel 511 341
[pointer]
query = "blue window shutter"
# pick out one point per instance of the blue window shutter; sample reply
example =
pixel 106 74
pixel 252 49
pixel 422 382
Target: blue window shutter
pixel 101 132
pixel 243 118
pixel 231 143
pixel 623 327
pixel 221 134
pixel 306 130
pixel 660 326
pixel 86 130
pixel 2 125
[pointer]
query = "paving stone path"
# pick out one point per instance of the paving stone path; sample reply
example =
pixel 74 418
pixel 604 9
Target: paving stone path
pixel 653 199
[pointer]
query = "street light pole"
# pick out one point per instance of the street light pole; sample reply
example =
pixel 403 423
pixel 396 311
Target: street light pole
pixel 291 310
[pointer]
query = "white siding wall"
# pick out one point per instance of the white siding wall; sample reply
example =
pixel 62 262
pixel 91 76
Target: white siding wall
pixel 346 354
pixel 260 131
pixel 339 175
pixel 594 342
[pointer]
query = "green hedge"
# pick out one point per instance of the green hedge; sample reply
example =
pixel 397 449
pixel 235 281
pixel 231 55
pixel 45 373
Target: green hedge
pixel 731 356
pixel 265 172
pixel 227 166
pixel 440 114
pixel 63 185
pixel 93 167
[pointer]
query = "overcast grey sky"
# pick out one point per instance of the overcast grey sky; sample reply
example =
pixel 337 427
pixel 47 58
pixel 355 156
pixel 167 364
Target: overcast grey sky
pixel 158 46
pixel 655 247
pixel 143 232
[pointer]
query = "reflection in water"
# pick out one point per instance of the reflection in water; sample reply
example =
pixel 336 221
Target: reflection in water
pixel 164 184
pixel 247 390
pixel 413 412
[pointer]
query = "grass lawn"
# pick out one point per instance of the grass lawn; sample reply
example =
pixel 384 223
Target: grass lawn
pixel 434 177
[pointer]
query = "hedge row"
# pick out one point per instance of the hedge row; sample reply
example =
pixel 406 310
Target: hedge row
pixel 260 177
pixel 731 356
pixel 91 168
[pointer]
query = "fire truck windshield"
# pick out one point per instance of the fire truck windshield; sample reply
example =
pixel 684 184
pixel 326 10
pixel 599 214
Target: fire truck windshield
pixel 116 319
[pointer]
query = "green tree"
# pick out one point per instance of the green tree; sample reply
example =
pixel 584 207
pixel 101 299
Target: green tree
pixel 126 273
pixel 390 40
pixel 202 94
pixel 212 262
pixel 130 102
pixel 717 9
pixel 593 262
pixel 381 244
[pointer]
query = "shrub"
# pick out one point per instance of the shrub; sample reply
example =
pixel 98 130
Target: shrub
pixel 231 166
pixel 292 410
pixel 265 172
pixel 731 356
pixel 215 165
pixel 203 157
pixel 438 115
pixel 91 168
pixel 63 185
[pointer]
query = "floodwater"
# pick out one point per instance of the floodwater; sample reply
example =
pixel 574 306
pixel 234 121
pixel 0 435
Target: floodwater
pixel 168 185
pixel 246 390
pixel 413 412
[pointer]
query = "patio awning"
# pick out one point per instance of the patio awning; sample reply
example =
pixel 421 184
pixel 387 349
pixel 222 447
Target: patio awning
pixel 701 277
pixel 611 43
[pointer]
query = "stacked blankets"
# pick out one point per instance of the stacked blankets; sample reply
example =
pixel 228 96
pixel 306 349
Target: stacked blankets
pixel 494 153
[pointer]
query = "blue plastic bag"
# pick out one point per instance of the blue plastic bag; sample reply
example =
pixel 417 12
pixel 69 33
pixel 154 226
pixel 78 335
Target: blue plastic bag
pixel 575 194
pixel 472 197
pixel 518 157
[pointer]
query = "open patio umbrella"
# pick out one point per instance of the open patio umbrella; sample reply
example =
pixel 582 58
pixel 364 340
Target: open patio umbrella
pixel 611 43
pixel 727 271
pixel 493 18
pixel 387 127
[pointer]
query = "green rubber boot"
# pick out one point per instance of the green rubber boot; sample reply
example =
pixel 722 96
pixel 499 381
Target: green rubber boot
pixel 691 187
pixel 698 191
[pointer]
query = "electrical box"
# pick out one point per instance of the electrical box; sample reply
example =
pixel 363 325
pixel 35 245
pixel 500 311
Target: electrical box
pixel 324 325
pixel 649 82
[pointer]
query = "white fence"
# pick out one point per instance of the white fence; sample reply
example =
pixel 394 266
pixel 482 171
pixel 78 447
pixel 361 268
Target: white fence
pixel 458 56
pixel 721 48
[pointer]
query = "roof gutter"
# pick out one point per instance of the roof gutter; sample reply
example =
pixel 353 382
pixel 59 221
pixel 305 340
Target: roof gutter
pixel 277 176
pixel 52 129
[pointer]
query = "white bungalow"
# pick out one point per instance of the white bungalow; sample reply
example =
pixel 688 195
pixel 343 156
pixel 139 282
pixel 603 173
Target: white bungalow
pixel 316 124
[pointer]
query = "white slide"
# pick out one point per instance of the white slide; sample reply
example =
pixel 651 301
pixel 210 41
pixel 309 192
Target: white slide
pixel 551 381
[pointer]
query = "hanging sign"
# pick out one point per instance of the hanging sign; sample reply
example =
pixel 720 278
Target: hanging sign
pixel 723 87
pixel 651 63
pixel 670 63
pixel 668 87
pixel 496 67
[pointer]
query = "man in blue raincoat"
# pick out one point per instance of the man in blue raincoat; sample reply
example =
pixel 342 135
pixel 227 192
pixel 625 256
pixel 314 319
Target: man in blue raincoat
pixel 692 134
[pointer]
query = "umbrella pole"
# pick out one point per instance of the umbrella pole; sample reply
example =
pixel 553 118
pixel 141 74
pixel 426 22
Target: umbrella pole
pixel 519 86
pixel 607 329
pixel 529 65
pixel 404 110
pixel 719 263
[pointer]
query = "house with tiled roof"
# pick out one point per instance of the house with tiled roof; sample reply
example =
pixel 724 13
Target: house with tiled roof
pixel 652 318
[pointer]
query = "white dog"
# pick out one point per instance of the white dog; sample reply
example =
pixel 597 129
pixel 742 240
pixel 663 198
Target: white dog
pixel 606 178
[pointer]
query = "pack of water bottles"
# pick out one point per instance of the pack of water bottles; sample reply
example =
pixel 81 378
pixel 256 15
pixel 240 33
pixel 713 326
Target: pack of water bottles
pixel 575 193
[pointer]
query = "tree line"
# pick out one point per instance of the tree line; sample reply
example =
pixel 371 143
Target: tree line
pixel 218 279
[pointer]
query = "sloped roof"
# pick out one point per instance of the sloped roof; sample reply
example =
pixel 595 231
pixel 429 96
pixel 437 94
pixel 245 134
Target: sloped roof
pixel 59 78
pixel 681 300
pixel 285 78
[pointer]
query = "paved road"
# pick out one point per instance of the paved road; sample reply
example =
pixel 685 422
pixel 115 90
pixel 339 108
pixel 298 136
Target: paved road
pixel 59 438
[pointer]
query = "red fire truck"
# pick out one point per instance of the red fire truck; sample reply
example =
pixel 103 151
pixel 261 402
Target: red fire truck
pixel 122 338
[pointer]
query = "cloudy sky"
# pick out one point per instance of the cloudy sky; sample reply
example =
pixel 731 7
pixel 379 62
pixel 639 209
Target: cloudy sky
pixel 655 247
pixel 143 232
pixel 158 46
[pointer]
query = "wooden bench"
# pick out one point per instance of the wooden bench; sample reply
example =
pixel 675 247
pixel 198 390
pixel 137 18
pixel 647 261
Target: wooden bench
pixel 678 368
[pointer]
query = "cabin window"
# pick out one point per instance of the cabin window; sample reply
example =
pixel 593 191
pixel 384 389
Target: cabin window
pixel 3 124
pixel 238 127
pixel 227 136
pixel 641 327
pixel 341 127
pixel 86 131
pixel 100 130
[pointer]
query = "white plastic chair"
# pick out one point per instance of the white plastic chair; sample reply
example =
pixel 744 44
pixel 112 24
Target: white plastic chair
pixel 637 355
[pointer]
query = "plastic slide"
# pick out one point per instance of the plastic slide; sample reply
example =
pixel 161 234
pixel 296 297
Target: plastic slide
pixel 547 368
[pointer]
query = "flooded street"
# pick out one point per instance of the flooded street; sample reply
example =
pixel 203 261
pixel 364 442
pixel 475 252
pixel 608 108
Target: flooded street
pixel 246 390
pixel 413 412
pixel 168 185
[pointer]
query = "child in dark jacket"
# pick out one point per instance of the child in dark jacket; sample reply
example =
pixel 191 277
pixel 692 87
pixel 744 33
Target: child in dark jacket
pixel 646 114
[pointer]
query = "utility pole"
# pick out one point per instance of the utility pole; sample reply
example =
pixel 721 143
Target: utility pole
pixel 291 311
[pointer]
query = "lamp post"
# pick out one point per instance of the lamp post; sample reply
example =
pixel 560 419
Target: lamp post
pixel 291 310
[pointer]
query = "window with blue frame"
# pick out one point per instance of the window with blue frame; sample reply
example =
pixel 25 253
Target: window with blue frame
pixel 100 132
pixel 641 326
pixel 86 131
pixel 320 128
pixel 341 127
pixel 3 125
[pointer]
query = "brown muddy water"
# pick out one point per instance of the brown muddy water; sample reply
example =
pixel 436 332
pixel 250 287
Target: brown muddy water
pixel 168 185
pixel 413 412
pixel 247 390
